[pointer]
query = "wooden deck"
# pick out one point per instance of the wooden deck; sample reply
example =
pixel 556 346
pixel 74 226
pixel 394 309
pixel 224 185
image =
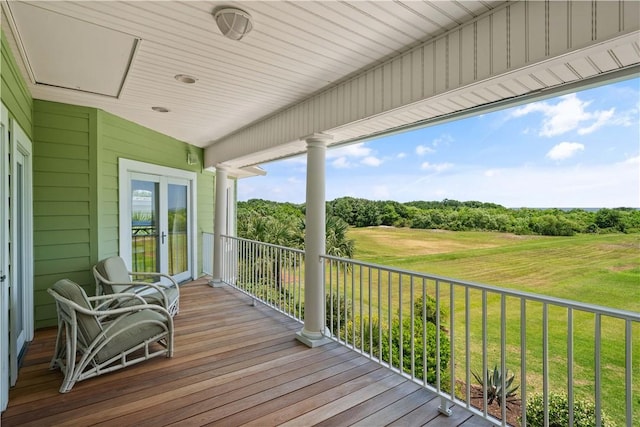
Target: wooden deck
pixel 234 364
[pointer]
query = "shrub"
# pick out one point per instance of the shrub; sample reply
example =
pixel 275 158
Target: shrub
pixel 494 386
pixel 583 412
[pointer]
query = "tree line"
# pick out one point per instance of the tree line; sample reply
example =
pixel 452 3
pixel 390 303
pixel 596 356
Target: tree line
pixel 446 215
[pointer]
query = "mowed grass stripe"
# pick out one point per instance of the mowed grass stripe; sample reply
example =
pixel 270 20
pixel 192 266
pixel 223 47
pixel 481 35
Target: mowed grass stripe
pixel 596 269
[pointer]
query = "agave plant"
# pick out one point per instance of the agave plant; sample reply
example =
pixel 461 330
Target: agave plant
pixel 494 386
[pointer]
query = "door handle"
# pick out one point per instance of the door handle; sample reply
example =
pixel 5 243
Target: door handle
pixel 3 278
pixel 162 236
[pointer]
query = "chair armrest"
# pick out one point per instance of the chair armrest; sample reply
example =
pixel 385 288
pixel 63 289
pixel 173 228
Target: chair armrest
pixel 112 301
pixel 152 274
pixel 111 312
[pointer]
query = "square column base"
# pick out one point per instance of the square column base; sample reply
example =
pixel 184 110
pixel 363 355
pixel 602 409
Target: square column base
pixel 311 343
pixel 216 283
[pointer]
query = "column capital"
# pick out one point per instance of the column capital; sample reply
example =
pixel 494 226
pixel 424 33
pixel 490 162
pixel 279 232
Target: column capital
pixel 317 138
pixel 222 167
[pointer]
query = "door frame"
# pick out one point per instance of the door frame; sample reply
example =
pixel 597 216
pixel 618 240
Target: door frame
pixel 20 143
pixel 4 259
pixel 125 168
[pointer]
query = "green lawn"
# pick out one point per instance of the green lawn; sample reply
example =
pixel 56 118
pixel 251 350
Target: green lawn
pixel 596 269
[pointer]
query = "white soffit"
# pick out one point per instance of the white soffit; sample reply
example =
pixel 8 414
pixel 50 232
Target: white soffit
pixel 65 52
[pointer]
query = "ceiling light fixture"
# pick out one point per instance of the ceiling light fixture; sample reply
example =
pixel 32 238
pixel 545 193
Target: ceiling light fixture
pixel 160 109
pixel 183 78
pixel 233 23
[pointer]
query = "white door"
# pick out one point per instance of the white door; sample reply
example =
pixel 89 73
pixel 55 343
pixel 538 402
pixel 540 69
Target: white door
pixel 4 259
pixel 157 219
pixel 20 248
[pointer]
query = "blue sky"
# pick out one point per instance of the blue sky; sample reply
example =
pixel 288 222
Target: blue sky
pixel 577 150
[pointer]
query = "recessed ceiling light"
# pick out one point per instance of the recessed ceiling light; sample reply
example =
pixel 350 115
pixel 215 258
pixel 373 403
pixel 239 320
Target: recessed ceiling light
pixel 160 109
pixel 185 79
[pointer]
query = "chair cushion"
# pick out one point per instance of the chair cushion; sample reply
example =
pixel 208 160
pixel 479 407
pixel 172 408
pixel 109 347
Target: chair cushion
pixel 171 293
pixel 116 271
pixel 130 331
pixel 88 325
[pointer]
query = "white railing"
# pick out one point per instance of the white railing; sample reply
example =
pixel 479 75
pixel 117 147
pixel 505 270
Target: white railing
pixel 269 273
pixel 442 333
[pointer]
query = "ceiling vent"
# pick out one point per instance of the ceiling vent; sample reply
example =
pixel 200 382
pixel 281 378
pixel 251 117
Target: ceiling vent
pixel 69 53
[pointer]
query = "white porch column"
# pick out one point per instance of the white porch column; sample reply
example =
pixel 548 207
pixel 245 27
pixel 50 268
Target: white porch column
pixel 312 334
pixel 219 224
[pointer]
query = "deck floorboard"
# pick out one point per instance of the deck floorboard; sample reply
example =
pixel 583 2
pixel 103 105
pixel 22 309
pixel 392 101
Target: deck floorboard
pixel 234 364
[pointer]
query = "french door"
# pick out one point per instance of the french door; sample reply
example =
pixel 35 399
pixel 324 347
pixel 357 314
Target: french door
pixel 16 250
pixel 157 234
pixel 4 259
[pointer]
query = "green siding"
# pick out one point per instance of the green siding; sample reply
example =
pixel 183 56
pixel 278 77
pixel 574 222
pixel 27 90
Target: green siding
pixel 14 91
pixel 63 200
pixel 75 182
pixel 120 138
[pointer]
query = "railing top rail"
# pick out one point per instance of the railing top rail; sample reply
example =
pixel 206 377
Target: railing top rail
pixel 592 308
pixel 294 250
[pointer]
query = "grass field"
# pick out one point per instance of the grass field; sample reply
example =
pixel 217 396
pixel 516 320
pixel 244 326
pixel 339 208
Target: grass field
pixel 597 269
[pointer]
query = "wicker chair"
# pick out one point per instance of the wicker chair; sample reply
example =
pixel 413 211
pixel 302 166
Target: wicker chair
pixel 105 333
pixel 112 276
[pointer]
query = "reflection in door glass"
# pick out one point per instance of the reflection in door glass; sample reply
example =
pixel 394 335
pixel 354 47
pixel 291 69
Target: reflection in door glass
pixel 178 241
pixel 144 226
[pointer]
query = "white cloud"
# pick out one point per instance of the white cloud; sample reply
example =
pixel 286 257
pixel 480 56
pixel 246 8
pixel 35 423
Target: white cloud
pixel 602 118
pixel 610 185
pixel 444 139
pixel 564 150
pixel 401 155
pixel 437 167
pixel 341 163
pixel 421 150
pixel 353 150
pixel 491 172
pixel 569 114
pixel 371 161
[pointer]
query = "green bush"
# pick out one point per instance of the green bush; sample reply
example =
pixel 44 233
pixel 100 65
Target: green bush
pixel 378 342
pixel 583 412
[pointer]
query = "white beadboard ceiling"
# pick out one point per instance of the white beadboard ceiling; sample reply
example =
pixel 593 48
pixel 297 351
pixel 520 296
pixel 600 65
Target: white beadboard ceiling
pixel 300 49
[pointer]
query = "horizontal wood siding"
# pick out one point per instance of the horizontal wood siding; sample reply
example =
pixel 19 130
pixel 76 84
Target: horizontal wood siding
pixel 507 39
pixel 14 92
pixel 63 201
pixel 119 138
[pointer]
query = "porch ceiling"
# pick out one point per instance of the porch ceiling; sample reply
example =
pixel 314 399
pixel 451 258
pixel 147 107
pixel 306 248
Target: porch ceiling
pixel 305 55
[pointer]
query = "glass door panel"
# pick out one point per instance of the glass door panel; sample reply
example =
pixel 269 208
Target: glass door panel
pixel 145 226
pixel 178 224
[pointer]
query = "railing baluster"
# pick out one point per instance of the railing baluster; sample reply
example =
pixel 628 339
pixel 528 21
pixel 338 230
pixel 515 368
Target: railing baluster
pixel 484 353
pixel 523 361
pixel 361 314
pixel 467 343
pixel 273 274
pixel 570 363
pixel 330 296
pixel 503 357
pixel 598 374
pixel 628 383
pixel 425 363
pixel 400 320
pixel 413 332
pixel 380 315
pixel 370 318
pixel 390 331
pixel 545 362
pixel 452 336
